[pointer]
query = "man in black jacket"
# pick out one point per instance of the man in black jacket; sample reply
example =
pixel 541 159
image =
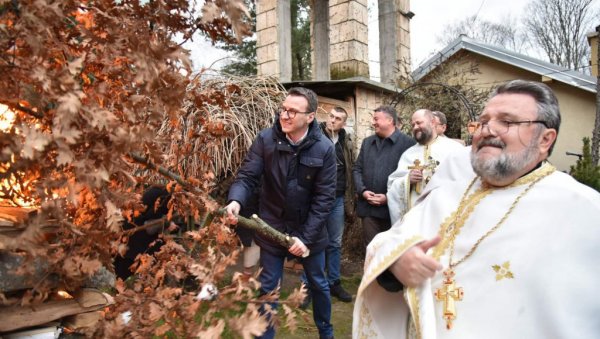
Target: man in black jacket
pixel 333 128
pixel 377 159
pixel 297 164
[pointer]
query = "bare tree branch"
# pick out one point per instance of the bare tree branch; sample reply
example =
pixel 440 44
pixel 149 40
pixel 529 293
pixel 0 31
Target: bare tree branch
pixel 558 27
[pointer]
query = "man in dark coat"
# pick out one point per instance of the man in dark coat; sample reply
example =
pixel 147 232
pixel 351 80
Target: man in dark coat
pixel 297 165
pixel 333 129
pixel 377 159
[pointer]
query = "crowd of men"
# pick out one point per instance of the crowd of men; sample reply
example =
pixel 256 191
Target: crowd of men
pixel 481 241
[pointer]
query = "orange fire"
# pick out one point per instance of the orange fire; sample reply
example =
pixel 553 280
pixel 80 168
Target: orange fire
pixel 7 119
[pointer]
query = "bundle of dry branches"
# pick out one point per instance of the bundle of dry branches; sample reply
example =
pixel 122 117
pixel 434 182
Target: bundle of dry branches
pixel 232 109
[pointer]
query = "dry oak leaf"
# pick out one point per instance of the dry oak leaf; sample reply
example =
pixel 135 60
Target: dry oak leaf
pixel 210 12
pixel 235 10
pixel 64 157
pixel 34 141
pixel 162 329
pixel 76 65
pixel 114 219
pixel 120 285
pixel 69 134
pixel 76 265
pixel 101 174
pixel 155 311
pixel 250 324
pixel 102 119
pixel 213 332
pixel 70 103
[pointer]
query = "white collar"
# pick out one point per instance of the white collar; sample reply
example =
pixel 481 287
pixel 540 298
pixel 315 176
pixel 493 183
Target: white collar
pixel 299 140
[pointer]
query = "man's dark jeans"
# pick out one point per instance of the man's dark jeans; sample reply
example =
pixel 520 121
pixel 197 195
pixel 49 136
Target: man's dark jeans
pixel 314 267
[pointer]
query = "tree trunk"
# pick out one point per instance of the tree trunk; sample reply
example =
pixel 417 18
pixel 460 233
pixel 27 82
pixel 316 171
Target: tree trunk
pixel 596 131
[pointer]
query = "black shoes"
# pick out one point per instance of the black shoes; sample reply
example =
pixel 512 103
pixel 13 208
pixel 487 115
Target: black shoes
pixel 336 290
pixel 339 292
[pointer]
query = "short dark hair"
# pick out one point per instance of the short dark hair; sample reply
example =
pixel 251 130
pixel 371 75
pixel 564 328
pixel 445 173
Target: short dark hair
pixel 389 110
pixel 441 116
pixel 341 110
pixel 308 94
pixel 547 103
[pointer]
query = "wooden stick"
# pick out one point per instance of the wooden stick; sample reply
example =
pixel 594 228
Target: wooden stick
pixel 261 227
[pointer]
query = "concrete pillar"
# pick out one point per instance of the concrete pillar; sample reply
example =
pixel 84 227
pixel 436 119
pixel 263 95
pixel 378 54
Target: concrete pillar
pixel 349 56
pixel 394 39
pixel 320 39
pixel 274 39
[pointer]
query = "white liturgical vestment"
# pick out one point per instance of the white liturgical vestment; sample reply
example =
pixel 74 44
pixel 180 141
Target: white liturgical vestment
pixel 535 276
pixel 401 195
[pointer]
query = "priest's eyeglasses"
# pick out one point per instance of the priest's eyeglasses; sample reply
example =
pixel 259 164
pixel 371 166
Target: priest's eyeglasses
pixel 498 126
pixel 290 114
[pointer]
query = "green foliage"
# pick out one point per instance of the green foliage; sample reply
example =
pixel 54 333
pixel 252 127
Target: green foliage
pixel 584 170
pixel 301 62
pixel 244 55
pixel 243 61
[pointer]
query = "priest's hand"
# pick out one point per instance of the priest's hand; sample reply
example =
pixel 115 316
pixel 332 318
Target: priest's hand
pixel 233 209
pixel 415 265
pixel 298 248
pixel 415 176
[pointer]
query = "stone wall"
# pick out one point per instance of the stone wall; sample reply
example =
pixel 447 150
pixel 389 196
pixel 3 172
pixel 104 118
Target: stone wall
pixel 348 34
pixel 394 39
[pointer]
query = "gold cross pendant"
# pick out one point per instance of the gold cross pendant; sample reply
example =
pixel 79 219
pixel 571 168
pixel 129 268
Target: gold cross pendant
pixel 449 293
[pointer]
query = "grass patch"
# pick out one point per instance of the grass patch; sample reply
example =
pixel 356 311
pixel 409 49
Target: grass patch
pixel 341 316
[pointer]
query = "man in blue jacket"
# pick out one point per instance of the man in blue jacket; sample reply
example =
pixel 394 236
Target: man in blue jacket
pixel 297 163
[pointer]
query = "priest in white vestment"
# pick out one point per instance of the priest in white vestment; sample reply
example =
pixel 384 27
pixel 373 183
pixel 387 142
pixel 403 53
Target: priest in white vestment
pixel 502 246
pixel 417 164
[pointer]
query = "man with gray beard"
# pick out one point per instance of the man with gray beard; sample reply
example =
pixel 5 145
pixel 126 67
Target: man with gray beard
pixel 504 248
pixel 417 164
pixel 505 164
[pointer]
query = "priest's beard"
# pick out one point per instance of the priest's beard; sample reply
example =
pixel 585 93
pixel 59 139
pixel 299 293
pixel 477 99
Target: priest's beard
pixel 423 135
pixel 503 166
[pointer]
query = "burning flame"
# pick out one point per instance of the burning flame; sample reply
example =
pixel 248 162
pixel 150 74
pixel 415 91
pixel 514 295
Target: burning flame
pixel 7 118
pixel 64 294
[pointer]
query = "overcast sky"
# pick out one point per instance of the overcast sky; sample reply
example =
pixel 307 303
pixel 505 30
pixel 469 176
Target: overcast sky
pixel 432 15
pixel 430 18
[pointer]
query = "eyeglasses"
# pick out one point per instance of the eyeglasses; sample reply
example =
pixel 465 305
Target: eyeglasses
pixel 290 114
pixel 498 126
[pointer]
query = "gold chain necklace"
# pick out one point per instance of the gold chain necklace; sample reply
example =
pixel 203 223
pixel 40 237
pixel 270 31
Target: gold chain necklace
pixel 449 293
